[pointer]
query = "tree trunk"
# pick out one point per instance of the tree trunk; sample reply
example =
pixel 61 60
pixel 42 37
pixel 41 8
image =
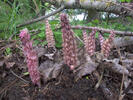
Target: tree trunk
pixel 92 15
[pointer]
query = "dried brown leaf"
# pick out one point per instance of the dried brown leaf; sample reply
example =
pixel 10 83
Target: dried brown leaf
pixel 116 67
pixel 9 64
pixel 50 70
pixel 86 69
pixel 2 60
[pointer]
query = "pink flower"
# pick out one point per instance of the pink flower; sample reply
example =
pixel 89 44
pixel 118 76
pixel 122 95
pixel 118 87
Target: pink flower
pixel 107 44
pixel 24 36
pixel 69 43
pixel 101 39
pixel 85 38
pixel 49 34
pixel 91 43
pixel 31 56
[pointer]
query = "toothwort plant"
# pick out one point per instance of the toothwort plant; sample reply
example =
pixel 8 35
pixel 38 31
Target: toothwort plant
pixel 91 42
pixel 69 45
pixel 31 56
pixel 107 44
pixel 49 34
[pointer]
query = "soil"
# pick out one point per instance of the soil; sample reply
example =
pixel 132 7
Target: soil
pixel 64 87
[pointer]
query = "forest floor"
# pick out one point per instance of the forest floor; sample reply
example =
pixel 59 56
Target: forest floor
pixel 15 83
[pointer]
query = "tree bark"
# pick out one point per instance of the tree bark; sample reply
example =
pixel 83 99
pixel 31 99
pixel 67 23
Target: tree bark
pixel 104 5
pixel 92 15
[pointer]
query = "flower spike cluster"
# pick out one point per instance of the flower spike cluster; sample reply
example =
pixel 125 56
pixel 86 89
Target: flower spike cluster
pixel 107 45
pixel 49 34
pixel 69 43
pixel 85 39
pixel 91 42
pixel 101 38
pixel 31 56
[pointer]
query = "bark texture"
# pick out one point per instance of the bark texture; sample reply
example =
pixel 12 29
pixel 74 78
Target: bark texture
pixel 112 6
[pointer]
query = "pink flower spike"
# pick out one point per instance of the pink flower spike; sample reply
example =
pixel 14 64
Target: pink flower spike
pixel 101 39
pixel 32 61
pixel 91 43
pixel 31 56
pixel 111 36
pixel 85 38
pixel 49 34
pixel 107 45
pixel 69 43
pixel 24 33
pixel 24 36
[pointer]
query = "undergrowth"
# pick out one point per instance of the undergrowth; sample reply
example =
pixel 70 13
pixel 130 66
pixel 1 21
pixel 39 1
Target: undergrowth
pixel 22 11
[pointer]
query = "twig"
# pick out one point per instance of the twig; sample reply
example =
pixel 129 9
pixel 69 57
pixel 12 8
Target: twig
pixel 107 92
pixel 32 31
pixel 124 33
pixel 42 17
pixel 8 86
pixel 79 38
pixel 19 77
pixel 99 81
pixel 37 8
pixel 123 76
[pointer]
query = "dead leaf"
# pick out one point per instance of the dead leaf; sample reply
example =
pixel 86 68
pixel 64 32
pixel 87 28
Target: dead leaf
pixel 2 60
pixel 9 64
pixel 50 56
pixel 130 91
pixel 86 69
pixel 127 81
pixel 115 66
pixel 50 70
pixel 50 53
pixel 40 51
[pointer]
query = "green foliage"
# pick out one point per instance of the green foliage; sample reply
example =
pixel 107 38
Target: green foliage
pixel 7 51
pixel 26 73
pixel 125 0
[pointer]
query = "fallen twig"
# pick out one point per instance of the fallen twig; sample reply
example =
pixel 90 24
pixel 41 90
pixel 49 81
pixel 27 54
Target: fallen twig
pixel 108 94
pixel 103 30
pixel 121 96
pixel 19 77
pixel 8 86
pixel 42 17
pixel 79 38
pixel 99 81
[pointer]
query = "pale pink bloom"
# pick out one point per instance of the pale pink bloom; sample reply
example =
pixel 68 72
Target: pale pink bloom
pixel 91 43
pixel 69 43
pixel 31 56
pixel 107 45
pixel 49 34
pixel 101 39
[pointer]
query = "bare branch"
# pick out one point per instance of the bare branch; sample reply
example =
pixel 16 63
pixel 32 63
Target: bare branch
pixel 19 76
pixel 42 17
pixel 112 6
pixel 124 33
